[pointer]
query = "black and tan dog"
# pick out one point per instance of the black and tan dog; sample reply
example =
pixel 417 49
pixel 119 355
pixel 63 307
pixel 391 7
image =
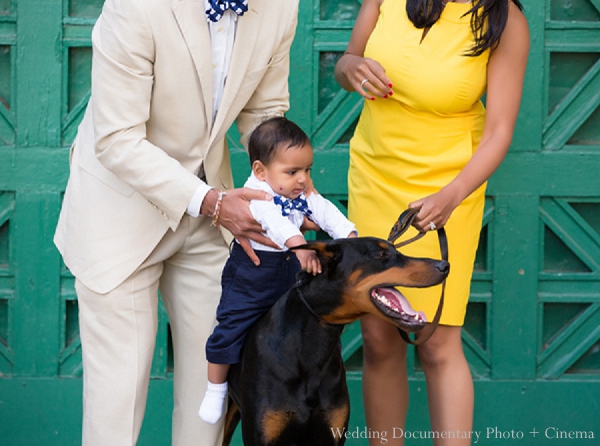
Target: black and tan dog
pixel 290 386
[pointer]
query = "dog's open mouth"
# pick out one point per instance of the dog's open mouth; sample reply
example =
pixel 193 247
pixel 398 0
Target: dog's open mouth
pixel 394 305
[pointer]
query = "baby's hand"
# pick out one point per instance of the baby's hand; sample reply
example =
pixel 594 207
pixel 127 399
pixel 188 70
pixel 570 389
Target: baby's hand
pixel 308 261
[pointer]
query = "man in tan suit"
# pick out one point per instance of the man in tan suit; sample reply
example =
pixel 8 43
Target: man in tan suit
pixel 147 166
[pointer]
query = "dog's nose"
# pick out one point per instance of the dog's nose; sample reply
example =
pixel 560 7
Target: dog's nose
pixel 442 266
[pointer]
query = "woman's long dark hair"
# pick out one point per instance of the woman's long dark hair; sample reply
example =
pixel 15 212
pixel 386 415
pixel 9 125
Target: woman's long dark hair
pixel 487 22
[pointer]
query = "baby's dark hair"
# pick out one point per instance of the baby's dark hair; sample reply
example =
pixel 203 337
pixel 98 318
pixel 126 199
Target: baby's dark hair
pixel 273 134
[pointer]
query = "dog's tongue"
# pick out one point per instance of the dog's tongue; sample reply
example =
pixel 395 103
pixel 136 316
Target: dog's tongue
pixel 397 302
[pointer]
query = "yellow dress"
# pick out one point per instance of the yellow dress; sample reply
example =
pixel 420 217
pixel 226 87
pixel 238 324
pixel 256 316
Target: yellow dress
pixel 412 144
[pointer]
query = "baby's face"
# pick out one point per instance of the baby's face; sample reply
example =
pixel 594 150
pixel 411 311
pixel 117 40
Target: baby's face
pixel 288 173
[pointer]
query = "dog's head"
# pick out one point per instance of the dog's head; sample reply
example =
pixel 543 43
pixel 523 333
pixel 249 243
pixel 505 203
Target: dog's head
pixel 359 277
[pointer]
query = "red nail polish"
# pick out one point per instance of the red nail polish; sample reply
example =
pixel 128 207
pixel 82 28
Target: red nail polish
pixel 390 85
pixel 372 99
pixel 385 96
pixel 391 93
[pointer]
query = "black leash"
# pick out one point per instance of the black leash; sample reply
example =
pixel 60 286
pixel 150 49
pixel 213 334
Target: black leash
pixel 400 227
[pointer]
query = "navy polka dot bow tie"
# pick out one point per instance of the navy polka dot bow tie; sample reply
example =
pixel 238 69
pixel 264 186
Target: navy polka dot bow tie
pixel 217 8
pixel 288 206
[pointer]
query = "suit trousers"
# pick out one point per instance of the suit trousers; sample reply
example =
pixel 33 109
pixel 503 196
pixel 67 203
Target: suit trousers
pixel 118 333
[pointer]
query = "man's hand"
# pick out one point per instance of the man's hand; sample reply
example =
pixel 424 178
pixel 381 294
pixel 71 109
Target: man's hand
pixel 235 216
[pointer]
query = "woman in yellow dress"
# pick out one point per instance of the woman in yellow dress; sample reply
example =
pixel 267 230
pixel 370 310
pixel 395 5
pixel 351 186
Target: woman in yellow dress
pixel 424 140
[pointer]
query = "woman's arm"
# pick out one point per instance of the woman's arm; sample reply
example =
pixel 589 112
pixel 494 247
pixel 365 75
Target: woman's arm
pixel 352 68
pixel 506 70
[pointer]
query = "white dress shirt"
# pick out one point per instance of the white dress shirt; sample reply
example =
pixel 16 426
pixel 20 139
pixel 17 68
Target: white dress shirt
pixel 222 35
pixel 280 228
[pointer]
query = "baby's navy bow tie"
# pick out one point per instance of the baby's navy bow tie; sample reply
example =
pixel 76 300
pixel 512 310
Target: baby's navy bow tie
pixel 218 7
pixel 288 205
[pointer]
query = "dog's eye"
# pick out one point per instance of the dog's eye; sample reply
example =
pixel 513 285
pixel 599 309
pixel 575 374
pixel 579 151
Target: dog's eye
pixel 382 255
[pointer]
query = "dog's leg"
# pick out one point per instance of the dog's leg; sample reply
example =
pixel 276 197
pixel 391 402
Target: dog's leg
pixel 232 418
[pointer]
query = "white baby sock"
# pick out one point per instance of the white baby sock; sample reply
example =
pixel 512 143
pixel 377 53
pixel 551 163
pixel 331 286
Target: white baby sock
pixel 211 408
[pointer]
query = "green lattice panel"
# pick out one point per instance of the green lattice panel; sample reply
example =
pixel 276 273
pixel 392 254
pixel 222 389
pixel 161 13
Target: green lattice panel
pixel 7 277
pixel 573 100
pixel 76 91
pixel 5 7
pixel 476 332
pixel 335 112
pixel 84 8
pixel 574 10
pixel 342 10
pixel 7 120
pixel 79 19
pixel 162 365
pixel 569 288
pixel 69 355
pixel 573 73
pixel 7 71
pixel 5 76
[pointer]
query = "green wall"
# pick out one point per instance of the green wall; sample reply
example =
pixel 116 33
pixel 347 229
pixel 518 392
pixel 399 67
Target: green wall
pixel 532 334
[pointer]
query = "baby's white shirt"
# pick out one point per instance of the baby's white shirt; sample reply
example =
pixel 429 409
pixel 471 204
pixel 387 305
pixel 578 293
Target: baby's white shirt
pixel 280 228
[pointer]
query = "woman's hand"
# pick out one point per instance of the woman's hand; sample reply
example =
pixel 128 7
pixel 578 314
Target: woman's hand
pixel 365 75
pixel 355 72
pixel 435 209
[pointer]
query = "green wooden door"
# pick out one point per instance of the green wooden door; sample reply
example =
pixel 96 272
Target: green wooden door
pixel 532 334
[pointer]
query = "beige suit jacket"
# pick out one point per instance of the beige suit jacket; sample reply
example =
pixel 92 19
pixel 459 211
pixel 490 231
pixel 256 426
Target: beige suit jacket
pixel 147 129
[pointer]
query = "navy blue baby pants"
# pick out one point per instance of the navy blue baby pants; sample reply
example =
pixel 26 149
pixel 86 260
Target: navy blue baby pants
pixel 248 292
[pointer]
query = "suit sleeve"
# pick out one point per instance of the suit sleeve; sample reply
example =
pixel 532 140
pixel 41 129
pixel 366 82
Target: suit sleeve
pixel 271 97
pixel 122 82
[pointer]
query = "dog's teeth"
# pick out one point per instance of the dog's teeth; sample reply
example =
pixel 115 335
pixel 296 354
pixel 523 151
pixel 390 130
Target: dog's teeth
pixel 383 299
pixel 416 316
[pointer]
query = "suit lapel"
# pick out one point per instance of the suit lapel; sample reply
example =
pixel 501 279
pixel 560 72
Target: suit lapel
pixel 246 36
pixel 192 22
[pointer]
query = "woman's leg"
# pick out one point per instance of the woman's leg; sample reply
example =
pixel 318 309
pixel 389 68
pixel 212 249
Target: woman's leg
pixel 449 385
pixel 385 379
